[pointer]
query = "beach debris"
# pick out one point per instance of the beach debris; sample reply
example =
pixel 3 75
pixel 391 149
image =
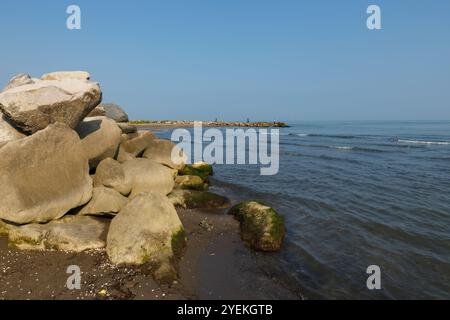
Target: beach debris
pixel 205 225
pixel 262 228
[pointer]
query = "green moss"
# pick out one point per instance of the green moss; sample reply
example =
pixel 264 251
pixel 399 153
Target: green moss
pixel 261 226
pixel 25 241
pixel 203 172
pixel 178 241
pixel 277 230
pixel 192 183
pixel 199 199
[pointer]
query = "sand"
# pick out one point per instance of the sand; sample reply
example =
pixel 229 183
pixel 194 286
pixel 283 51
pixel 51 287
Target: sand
pixel 215 264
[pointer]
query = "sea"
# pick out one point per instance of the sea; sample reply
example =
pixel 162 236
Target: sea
pixel 355 195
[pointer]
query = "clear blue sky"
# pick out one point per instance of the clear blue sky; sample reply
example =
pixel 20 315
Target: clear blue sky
pixel 232 59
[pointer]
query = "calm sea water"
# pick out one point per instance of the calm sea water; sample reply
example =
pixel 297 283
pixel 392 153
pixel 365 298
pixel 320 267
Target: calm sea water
pixel 356 194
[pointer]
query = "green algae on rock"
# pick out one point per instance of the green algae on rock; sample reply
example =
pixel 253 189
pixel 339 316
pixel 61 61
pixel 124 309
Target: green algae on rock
pixel 193 199
pixel 262 228
pixel 191 183
pixel 201 169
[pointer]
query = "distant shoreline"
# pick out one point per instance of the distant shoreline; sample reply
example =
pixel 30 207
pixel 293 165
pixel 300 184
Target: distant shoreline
pixel 142 124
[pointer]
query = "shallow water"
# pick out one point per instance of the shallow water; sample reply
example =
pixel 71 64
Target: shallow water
pixel 356 194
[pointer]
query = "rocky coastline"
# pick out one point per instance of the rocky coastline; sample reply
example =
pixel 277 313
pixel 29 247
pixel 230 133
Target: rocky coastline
pixel 188 123
pixel 82 183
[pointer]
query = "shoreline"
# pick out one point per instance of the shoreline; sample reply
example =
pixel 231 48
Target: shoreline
pixel 214 265
pixel 144 124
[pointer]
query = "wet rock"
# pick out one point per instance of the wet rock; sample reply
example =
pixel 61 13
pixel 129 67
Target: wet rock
pixel 262 228
pixel 191 183
pixel 192 199
pixel 201 169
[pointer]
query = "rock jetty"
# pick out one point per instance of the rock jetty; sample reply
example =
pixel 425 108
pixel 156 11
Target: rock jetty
pixel 76 176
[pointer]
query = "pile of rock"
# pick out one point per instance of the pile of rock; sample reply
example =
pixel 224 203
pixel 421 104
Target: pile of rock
pixel 75 175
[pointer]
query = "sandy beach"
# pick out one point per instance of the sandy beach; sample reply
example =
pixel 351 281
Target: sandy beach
pixel 215 264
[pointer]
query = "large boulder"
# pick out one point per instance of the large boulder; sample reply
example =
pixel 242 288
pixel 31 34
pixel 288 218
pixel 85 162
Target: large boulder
pixel 60 75
pixel 18 80
pixel 33 107
pixel 72 233
pixel 148 176
pixel 43 176
pixel 100 137
pixel 166 153
pixel 193 199
pixel 262 228
pixel 8 132
pixel 147 230
pixel 134 147
pixel 111 174
pixel 104 202
pixel 112 111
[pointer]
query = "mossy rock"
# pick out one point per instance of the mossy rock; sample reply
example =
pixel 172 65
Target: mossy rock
pixel 262 228
pixel 191 183
pixel 192 199
pixel 4 228
pixel 178 242
pixel 201 169
pixel 204 167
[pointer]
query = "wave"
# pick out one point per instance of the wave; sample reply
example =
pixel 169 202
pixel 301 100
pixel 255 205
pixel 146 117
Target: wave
pixel 314 135
pixel 423 142
pixel 271 133
pixel 342 148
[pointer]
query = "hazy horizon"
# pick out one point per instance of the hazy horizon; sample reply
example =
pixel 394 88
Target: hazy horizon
pixel 233 60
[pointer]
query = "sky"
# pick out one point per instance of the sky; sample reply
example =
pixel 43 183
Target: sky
pixel 236 59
